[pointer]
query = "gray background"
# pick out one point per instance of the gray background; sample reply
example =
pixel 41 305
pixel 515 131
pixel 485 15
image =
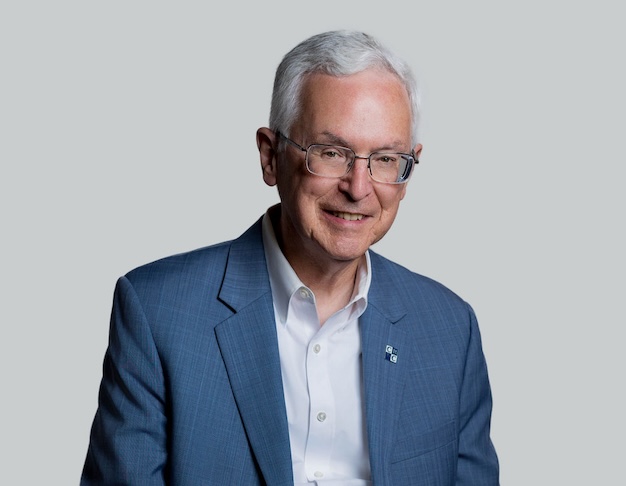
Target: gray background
pixel 127 134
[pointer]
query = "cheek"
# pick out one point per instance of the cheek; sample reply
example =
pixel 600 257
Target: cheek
pixel 390 197
pixel 299 195
pixel 288 182
pixel 308 190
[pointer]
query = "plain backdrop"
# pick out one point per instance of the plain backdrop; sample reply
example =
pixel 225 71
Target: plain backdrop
pixel 127 133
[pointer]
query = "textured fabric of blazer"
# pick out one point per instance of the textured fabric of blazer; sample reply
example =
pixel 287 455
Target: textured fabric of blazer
pixel 192 392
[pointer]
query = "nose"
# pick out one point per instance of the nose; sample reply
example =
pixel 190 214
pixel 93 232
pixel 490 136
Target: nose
pixel 357 183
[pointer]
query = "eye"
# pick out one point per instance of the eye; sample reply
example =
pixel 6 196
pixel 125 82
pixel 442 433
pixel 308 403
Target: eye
pixel 331 153
pixel 385 159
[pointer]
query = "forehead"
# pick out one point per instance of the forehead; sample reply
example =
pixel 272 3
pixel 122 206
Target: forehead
pixel 371 104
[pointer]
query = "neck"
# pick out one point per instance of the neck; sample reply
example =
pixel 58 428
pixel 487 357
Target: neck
pixel 333 287
pixel 332 281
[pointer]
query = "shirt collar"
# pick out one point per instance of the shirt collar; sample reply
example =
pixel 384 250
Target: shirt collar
pixel 284 281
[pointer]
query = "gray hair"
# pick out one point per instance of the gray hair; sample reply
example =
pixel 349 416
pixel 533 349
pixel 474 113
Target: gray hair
pixel 336 53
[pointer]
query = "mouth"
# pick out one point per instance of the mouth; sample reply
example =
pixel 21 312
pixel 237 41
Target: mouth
pixel 347 216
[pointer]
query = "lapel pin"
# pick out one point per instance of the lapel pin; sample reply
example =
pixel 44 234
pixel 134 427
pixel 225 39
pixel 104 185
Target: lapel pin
pixel 391 354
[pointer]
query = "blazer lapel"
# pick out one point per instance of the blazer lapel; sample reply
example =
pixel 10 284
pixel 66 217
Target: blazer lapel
pixel 249 347
pixel 384 369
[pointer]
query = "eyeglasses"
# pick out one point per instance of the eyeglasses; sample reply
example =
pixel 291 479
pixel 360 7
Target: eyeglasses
pixel 336 161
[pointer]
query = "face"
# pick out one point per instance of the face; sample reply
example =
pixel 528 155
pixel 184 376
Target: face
pixel 337 220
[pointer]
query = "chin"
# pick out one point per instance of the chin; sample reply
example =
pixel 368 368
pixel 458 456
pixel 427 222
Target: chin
pixel 347 253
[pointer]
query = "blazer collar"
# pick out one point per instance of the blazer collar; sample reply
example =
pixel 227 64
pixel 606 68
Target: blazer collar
pixel 384 289
pixel 245 278
pixel 249 347
pixel 385 361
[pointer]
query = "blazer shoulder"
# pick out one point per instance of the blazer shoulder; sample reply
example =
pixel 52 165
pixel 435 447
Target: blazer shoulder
pixel 200 264
pixel 201 274
pixel 402 291
pixel 408 281
pixel 181 264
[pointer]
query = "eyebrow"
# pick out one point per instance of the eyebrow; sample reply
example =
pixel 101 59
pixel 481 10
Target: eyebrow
pixel 334 139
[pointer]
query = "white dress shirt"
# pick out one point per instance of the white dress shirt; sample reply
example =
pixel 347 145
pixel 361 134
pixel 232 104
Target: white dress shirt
pixel 322 375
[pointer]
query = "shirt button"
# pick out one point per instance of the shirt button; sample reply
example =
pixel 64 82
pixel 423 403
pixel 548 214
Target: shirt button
pixel 304 293
pixel 321 417
pixel 317 348
pixel 318 474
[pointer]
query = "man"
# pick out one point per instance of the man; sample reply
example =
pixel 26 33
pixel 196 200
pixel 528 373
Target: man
pixel 293 354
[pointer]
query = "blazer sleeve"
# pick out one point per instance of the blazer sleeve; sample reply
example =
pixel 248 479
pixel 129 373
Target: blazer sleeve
pixel 477 461
pixel 128 436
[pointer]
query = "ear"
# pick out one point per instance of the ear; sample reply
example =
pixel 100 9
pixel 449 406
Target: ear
pixel 403 193
pixel 417 150
pixel 265 141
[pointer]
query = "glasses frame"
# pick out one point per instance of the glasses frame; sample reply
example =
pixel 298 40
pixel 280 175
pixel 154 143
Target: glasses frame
pixel 351 164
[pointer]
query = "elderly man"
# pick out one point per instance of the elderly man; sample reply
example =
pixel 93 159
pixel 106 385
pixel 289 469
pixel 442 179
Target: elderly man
pixel 294 354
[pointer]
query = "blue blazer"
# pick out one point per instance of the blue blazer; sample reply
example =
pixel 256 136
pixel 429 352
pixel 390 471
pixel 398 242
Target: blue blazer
pixel 192 392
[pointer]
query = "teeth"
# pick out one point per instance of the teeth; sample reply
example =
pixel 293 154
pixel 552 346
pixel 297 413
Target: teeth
pixel 348 216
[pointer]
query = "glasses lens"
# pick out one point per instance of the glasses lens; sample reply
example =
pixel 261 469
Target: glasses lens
pixel 391 168
pixel 329 160
pixel 335 161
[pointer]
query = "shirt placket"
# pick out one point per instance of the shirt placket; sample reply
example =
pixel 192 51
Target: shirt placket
pixel 322 414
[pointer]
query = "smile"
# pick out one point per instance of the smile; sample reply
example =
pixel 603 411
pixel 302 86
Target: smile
pixel 347 216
